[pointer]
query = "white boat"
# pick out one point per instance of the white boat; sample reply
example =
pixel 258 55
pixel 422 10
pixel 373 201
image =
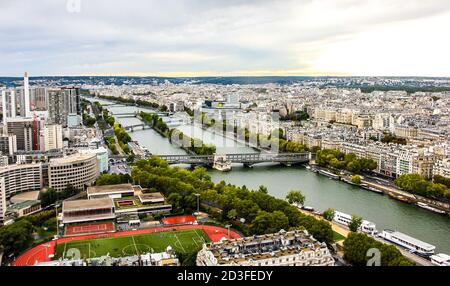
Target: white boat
pixel 440 259
pixel 329 175
pixel 369 188
pixel 408 242
pixel 221 163
pixel 345 219
pixel 430 208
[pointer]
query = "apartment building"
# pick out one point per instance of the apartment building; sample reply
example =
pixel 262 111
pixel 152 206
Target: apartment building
pixel 21 178
pixel 23 129
pixel 442 168
pixel 77 170
pixel 406 131
pixel 63 102
pixel 52 137
pixel 294 248
pixel 8 144
pixel 2 200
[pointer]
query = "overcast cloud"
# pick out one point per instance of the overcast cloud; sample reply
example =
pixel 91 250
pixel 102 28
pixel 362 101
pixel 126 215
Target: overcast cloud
pixel 237 37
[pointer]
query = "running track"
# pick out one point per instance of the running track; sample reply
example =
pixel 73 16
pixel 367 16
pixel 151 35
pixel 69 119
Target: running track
pixel 41 252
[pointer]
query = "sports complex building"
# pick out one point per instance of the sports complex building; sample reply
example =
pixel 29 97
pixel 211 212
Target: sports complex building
pixel 108 205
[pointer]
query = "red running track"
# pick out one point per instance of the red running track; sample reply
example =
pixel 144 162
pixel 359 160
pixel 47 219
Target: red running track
pixel 41 252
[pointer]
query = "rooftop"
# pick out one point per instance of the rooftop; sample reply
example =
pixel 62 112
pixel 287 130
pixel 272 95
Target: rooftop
pixel 72 159
pixel 22 205
pixel 87 204
pixel 110 189
pixel 27 196
pixel 151 197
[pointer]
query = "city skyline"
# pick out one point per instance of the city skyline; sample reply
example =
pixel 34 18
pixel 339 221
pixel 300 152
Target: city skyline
pixel 233 38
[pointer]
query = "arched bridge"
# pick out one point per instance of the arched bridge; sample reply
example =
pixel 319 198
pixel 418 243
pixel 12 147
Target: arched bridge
pixel 246 159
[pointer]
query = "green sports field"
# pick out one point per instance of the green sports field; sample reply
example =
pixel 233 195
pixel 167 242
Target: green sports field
pixel 185 241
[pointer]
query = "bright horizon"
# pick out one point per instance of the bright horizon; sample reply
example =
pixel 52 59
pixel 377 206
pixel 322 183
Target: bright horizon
pixel 225 38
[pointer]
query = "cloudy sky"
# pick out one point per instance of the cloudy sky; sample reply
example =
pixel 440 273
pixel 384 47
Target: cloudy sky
pixel 229 37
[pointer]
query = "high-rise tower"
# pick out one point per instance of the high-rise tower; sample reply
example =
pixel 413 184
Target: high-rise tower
pixel 26 87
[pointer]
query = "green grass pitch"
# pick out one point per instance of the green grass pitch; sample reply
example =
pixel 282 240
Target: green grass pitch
pixel 185 241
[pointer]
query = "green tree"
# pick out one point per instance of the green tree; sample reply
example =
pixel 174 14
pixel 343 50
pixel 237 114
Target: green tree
pixel 48 197
pixel 356 179
pixel 175 200
pixel 356 246
pixel 263 189
pixel 354 166
pixel 295 197
pixel 436 190
pixel 328 214
pixel 232 214
pixel 266 222
pixel 355 223
pixel 17 237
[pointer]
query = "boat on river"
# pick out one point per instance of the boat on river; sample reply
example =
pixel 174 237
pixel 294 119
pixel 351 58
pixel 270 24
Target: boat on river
pixel 221 163
pixel 430 208
pixel 329 175
pixel 369 188
pixel 410 243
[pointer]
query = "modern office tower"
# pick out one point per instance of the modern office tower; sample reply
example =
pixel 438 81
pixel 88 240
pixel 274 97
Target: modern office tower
pixel 52 137
pixel 26 86
pixel 61 103
pixel 78 171
pixel 2 200
pixel 39 99
pixel 4 104
pixel 8 144
pixel 73 95
pixel 21 178
pixel 23 128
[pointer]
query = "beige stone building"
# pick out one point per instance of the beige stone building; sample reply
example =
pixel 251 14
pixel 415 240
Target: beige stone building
pixel 78 171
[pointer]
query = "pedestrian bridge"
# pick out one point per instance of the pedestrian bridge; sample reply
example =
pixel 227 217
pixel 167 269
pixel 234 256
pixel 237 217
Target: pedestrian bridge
pixel 246 159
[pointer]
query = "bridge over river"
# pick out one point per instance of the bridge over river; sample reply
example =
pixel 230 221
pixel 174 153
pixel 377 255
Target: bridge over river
pixel 246 159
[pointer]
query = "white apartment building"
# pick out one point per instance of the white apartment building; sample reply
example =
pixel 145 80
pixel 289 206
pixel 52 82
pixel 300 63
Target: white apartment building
pixel 3 160
pixel 52 137
pixel 78 171
pixel 325 114
pixel 394 161
pixel 2 200
pixel 102 157
pixel 381 121
pixel 294 248
pixel 21 178
pixel 442 168
pixel 406 131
